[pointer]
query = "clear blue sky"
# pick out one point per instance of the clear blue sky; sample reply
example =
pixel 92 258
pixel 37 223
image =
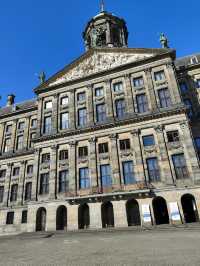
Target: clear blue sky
pixel 47 34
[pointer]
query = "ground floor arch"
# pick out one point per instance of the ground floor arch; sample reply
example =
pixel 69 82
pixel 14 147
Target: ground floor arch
pixel 133 213
pixel 41 219
pixel 83 216
pixel 61 218
pixel 107 214
pixel 160 211
pixel 189 208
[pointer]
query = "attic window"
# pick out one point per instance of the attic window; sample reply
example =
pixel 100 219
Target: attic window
pixel 194 60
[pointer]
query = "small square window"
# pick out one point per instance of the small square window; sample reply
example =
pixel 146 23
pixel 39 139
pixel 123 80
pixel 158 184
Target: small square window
pixel 138 82
pixel 8 128
pixel 16 171
pixel 117 87
pixel 81 96
pixel 158 76
pixel 103 147
pixel 99 92
pixel 30 169
pixel 125 144
pixel 45 157
pixel 65 100
pixel 173 136
pixel 3 173
pixel 148 140
pixel 48 105
pixel 33 122
pixel 63 155
pixel 83 151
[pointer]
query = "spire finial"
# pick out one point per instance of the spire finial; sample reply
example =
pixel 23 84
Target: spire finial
pixel 102 5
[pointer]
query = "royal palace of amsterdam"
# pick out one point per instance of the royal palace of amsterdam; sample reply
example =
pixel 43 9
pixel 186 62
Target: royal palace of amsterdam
pixel 111 140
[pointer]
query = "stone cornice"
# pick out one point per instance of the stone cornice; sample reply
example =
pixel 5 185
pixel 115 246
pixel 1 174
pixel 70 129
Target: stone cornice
pixel 16 154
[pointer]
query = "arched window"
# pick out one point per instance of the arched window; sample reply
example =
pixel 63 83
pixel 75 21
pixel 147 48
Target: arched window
pixel 107 214
pixel 160 211
pixel 189 208
pixel 133 213
pixel 41 219
pixel 61 218
pixel 83 216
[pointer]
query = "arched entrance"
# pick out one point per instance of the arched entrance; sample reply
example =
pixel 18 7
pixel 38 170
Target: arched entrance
pixel 107 214
pixel 133 213
pixel 41 219
pixel 189 208
pixel 61 218
pixel 83 216
pixel 160 211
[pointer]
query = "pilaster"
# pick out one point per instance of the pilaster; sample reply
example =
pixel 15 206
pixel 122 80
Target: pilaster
pixel 53 173
pixel 55 114
pixel 7 184
pixel 72 169
pixel 129 94
pixel 93 165
pixel 109 102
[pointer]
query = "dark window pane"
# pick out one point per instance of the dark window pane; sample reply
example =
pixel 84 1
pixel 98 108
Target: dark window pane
pixel 101 112
pixel 120 108
pixel 125 144
pixel 164 97
pixel 173 136
pixel 83 151
pixel 24 217
pixel 153 170
pixel 103 147
pixel 82 117
pixel 44 183
pixel 10 218
pixel 63 181
pixel 84 180
pixel 28 191
pixel 180 166
pixel 14 190
pixel 142 103
pixel 148 140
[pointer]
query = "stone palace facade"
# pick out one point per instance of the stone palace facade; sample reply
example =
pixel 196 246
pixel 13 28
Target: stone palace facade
pixel 111 140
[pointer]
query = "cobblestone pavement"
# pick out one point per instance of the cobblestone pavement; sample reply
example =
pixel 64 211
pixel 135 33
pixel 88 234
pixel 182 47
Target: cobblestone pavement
pixel 125 247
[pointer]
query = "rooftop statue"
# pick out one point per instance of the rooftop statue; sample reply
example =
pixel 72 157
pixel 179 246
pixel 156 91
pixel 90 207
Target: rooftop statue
pixel 164 41
pixel 42 77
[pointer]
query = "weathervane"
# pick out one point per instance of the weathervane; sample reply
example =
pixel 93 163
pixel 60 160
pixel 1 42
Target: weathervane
pixel 102 6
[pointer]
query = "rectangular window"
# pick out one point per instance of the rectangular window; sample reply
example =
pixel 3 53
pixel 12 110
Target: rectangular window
pixel 46 158
pixel 20 142
pixel 64 100
pixel 83 151
pixel 148 140
pixel 47 124
pixel 3 173
pixel 64 123
pixel 21 125
pixel 120 108
pixel 99 92
pixel 103 148
pixel 7 145
pixel 106 179
pixel 153 170
pixel 124 144
pixel 117 87
pixel 1 193
pixel 188 104
pixel 28 191
pixel 29 169
pixel 128 173
pixel 198 83
pixel 183 87
pixel 197 143
pixel 81 96
pixel 63 181
pixel 48 105
pixel 13 196
pixel 164 98
pixel 32 136
pixel 82 117
pixel 180 166
pixel 8 129
pixel 16 171
pixel 10 218
pixel 142 103
pixel 63 155
pixel 24 217
pixel 173 136
pixel 138 82
pixel 84 180
pixel 44 183
pixel 101 112
pixel 159 76
pixel 33 122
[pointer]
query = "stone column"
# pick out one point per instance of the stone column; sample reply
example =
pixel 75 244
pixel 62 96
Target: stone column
pixel 72 217
pixel 90 106
pixel 72 109
pixel 115 167
pixel 164 163
pixel 109 102
pixel 93 165
pixel 55 114
pixel 7 184
pixel 72 169
pixel 20 193
pixel 139 165
pixel 39 117
pixel 53 173
pixel 129 94
pixel 108 35
pixel 95 215
pixel 120 217
pixel 151 91
pixel 35 181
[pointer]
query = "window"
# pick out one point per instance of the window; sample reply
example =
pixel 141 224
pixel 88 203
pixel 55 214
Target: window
pixel 64 123
pixel 173 136
pixel 16 171
pixel 103 147
pixel 63 155
pixel 148 140
pixel 13 196
pixel 82 117
pixel 83 151
pixel 164 97
pixel 3 173
pixel 183 87
pixel 101 112
pixel 99 92
pixel 124 144
pixel 24 217
pixel 20 142
pixel 63 181
pixel 47 124
pixel 33 122
pixel 142 103
pixel 28 191
pixel 64 100
pixel 180 166
pixel 7 145
pixel 197 143
pixel 46 158
pixel 117 87
pixel 194 60
pixel 84 180
pixel 153 170
pixel 106 180
pixel 21 125
pixel 198 83
pixel 128 173
pixel 188 104
pixel 32 136
pixel 8 128
pixel 1 193
pixel 48 105
pixel 29 169
pixel 81 96
pixel 138 82
pixel 10 218
pixel 120 108
pixel 158 76
pixel 44 183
